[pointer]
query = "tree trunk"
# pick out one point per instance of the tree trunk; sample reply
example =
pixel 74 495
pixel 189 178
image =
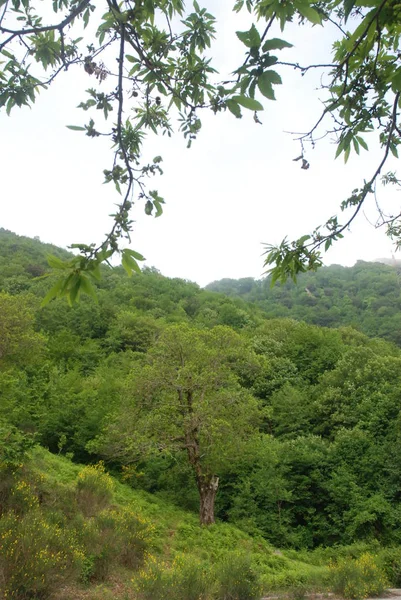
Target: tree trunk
pixel 207 492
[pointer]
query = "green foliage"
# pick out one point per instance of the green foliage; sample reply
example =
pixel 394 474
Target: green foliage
pixel 300 423
pixel 94 489
pixel 359 578
pixel 389 560
pixel 236 578
pixel 114 537
pixel 48 539
pixel 36 556
pixel 365 296
pixel 19 342
pixel 13 447
pixel 184 579
pixel 185 398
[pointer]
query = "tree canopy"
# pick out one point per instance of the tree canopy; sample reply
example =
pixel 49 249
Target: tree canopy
pixel 150 64
pixel 175 387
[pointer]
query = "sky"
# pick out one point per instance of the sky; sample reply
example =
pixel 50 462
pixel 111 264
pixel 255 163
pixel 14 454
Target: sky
pixel 235 189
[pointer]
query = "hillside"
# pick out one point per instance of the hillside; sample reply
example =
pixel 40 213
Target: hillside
pixel 270 432
pixel 366 296
pixel 82 534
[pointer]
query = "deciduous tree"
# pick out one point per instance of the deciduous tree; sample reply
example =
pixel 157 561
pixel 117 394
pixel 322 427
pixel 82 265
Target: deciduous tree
pixel 186 399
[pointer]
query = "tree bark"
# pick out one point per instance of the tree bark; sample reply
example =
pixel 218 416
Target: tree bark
pixel 207 484
pixel 207 493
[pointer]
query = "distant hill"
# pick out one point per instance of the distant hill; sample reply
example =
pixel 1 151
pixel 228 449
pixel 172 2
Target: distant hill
pixel 22 259
pixel 366 296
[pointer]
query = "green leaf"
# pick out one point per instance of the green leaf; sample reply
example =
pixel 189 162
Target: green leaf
pixel 8 54
pixel 56 263
pixel 348 6
pixel 76 128
pixel 254 37
pixel 134 254
pixel 129 263
pixel 275 44
pixel 159 208
pixel 250 38
pixel 339 149
pixel 396 81
pixel 244 37
pixel 310 13
pixel 234 108
pixel 75 289
pixel 53 292
pixel 88 288
pixel 95 273
pixel 265 86
pixel 362 142
pixel 303 239
pixel 274 77
pixel 249 103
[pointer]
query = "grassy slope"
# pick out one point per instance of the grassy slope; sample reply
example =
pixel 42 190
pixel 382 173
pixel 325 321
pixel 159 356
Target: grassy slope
pixel 176 533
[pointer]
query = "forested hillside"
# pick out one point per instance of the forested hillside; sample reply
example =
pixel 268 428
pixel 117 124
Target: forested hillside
pixel 287 430
pixel 366 296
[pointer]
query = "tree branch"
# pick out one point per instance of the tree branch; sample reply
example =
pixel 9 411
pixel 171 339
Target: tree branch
pixel 74 13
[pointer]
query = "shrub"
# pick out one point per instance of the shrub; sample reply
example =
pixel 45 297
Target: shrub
pixel 236 579
pixel 185 579
pixel 23 497
pixel 151 582
pixel 35 556
pixel 114 537
pixel 390 561
pixel 188 580
pixel 94 489
pixel 13 446
pixel 359 578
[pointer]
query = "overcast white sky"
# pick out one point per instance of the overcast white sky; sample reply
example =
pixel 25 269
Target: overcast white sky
pixel 234 189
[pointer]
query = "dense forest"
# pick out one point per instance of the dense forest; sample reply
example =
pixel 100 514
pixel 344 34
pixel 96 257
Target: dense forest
pixel 232 402
pixel 366 296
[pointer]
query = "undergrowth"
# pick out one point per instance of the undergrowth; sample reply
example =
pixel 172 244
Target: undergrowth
pixel 75 532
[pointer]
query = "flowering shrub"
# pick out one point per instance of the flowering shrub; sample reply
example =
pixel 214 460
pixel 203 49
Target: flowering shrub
pixel 151 582
pixel 23 497
pixel 182 580
pixel 114 537
pixel 94 489
pixel 35 556
pixel 187 579
pixel 357 578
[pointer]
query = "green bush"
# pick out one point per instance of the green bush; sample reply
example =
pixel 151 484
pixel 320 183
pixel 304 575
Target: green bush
pixel 359 578
pixel 184 579
pixel 94 489
pixel 13 446
pixel 390 561
pixel 151 582
pixel 189 580
pixel 114 537
pixel 36 556
pixel 236 579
